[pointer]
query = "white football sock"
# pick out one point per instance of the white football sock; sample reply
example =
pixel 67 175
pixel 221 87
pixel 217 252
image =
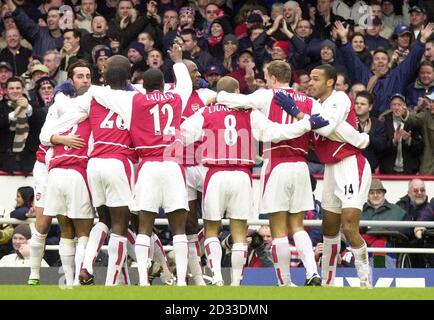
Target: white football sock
pixel 80 251
pixel 180 247
pixel 67 253
pixel 97 236
pixel 282 258
pixel 117 249
pixel 131 236
pixel 361 262
pixel 143 243
pixel 194 262
pixel 303 244
pixel 36 248
pixel 238 259
pixel 329 260
pixel 214 253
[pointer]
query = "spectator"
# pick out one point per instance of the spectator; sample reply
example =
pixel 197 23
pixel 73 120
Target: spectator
pixel 41 38
pixel 280 51
pixel 71 50
pixel 14 127
pixel 147 40
pixel 245 72
pixel 424 121
pixel 23 203
pixel 259 248
pixel 380 80
pixel 325 19
pixel 417 207
pixel 256 42
pixel 35 72
pixel 155 59
pixel 328 56
pixel 52 60
pixel 389 17
pixel 6 73
pixel 342 82
pixel 378 208
pixel 137 54
pixel 402 37
pixel 213 74
pixel 170 27
pixel 100 55
pixel 86 14
pixel 291 15
pixel 6 231
pixel 424 85
pixel 304 31
pixel 403 146
pixel 303 81
pixel 107 8
pixel 375 10
pixel 359 46
pixel 429 51
pixel 42 96
pixel 9 23
pixel 14 54
pixel 191 51
pixel 47 5
pixel 355 89
pixel 373 38
pixel 230 48
pixel 214 44
pixel 98 36
pixel 372 126
pixel 186 18
pixel 418 18
pixel 20 243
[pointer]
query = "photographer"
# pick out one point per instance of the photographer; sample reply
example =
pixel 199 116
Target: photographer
pixel 258 252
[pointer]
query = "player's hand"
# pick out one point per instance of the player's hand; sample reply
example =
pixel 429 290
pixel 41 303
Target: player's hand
pixel 287 103
pixel 66 87
pixel 73 141
pixel 175 53
pixel 316 121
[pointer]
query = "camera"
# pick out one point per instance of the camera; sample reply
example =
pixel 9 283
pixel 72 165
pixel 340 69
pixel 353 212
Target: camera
pixel 257 240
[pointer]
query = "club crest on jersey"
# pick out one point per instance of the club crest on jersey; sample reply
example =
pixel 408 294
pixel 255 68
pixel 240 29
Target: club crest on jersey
pixel 195 107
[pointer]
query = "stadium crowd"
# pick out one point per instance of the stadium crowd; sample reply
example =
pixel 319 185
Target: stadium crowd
pixel 383 52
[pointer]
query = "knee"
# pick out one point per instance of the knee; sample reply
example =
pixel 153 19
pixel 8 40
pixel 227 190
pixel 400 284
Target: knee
pixel 350 231
pixel 191 227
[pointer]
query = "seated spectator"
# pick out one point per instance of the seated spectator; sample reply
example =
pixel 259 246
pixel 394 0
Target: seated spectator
pixel 85 15
pixel 402 39
pixel 6 231
pixel 378 208
pixel 380 79
pixel 359 46
pixel 372 126
pixel 23 203
pixel 417 207
pixel 389 17
pixel 259 248
pixel 214 43
pixel 280 51
pixel 147 40
pixel 428 54
pixel 303 81
pixel 324 19
pixel 155 59
pixel 403 145
pixel 20 243
pixel 424 85
pixel 424 121
pixel 375 11
pixel 42 95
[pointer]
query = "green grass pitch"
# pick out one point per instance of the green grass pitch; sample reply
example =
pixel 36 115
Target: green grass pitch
pixel 42 292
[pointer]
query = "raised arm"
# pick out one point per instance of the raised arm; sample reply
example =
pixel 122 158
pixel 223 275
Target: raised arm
pixel 184 85
pixel 260 99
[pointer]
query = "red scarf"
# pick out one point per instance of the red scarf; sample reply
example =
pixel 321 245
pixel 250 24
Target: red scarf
pixel 214 40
